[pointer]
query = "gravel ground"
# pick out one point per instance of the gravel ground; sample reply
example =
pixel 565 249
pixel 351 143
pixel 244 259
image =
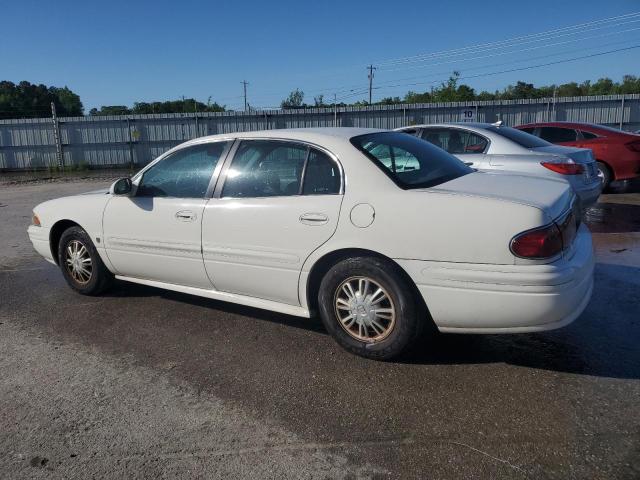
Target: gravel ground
pixel 144 383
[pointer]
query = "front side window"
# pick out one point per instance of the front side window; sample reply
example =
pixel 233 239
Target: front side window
pixel 409 161
pixel 456 141
pixel 183 174
pixel 558 135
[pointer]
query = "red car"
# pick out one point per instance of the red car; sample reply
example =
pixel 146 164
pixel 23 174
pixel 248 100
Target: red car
pixel 617 152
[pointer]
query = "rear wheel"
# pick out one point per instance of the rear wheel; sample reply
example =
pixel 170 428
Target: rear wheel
pixel 80 263
pixel 370 308
pixel 604 174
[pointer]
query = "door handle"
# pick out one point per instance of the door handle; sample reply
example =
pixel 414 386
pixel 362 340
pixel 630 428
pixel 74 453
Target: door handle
pixel 314 218
pixel 186 216
pixel 468 163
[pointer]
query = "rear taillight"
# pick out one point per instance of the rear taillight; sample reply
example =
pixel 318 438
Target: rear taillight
pixel 541 242
pixel 634 146
pixel 564 168
pixel 548 241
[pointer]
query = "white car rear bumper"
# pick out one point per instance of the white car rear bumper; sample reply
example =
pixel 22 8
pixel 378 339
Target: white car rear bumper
pixel 481 298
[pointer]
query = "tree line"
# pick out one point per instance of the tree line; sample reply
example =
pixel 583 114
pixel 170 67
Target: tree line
pixel 27 100
pixel 454 91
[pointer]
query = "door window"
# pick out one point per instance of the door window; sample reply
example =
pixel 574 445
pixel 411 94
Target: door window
pixel 183 174
pixel 558 134
pixel 266 168
pixel 455 140
pixel 587 135
pixel 321 175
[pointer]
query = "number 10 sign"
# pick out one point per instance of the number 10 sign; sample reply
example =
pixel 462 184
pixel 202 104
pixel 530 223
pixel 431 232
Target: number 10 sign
pixel 468 114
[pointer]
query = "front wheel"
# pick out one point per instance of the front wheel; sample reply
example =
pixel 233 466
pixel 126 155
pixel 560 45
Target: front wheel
pixel 370 308
pixel 80 263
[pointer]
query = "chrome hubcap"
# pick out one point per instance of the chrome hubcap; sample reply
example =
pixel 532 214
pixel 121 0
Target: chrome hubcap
pixel 364 309
pixel 78 262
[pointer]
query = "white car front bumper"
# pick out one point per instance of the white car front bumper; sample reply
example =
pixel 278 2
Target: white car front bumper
pixel 481 298
pixel 39 237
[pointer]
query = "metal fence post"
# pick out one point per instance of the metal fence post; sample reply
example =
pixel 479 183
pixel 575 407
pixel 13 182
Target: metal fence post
pixel 622 112
pixel 130 144
pixel 56 136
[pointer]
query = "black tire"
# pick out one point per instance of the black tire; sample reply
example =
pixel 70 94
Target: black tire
pixel 605 174
pixel 410 316
pixel 99 279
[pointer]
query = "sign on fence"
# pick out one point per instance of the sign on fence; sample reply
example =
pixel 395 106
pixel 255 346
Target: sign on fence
pixel 468 114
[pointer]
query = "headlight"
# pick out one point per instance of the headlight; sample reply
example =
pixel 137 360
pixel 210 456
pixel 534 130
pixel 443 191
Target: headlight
pixel 35 220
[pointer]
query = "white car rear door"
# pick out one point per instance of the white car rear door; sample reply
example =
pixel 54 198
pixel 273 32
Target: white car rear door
pixel 279 202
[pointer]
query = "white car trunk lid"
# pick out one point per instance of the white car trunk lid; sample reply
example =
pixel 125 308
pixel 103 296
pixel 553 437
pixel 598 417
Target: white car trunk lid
pixel 553 197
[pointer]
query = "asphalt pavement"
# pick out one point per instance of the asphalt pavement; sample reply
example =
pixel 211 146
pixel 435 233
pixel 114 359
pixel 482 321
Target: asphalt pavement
pixel 145 383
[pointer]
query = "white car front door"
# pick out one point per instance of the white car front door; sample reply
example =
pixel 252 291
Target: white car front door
pixel 279 202
pixel 156 234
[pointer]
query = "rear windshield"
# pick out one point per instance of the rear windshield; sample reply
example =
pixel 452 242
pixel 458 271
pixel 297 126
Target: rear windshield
pixel 523 139
pixel 409 161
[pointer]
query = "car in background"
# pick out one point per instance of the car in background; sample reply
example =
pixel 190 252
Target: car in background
pixel 493 146
pixel 301 221
pixel 617 152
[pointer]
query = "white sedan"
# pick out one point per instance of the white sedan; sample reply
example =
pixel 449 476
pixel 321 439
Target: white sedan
pixel 383 233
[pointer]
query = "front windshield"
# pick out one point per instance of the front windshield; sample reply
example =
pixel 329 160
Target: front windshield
pixel 523 139
pixel 409 161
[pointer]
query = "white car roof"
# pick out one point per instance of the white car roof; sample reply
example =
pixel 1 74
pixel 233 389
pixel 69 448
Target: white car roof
pixel 320 136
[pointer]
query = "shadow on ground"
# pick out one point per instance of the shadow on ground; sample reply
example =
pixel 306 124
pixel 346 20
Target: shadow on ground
pixel 602 342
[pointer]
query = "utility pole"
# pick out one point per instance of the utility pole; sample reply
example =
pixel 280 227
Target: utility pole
pixel 371 68
pixel 244 84
pixel 56 137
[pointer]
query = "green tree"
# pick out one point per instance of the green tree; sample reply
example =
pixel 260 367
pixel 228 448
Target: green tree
pixel 294 100
pixel 27 100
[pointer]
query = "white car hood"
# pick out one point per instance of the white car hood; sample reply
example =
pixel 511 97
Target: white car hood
pixel 551 196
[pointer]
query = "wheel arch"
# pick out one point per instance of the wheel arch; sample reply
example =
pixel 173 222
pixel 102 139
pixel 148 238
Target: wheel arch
pixel 55 234
pixel 612 171
pixel 329 259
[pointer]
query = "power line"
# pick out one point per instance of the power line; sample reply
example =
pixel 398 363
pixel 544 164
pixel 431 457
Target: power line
pixel 537 47
pixel 529 67
pixel 509 42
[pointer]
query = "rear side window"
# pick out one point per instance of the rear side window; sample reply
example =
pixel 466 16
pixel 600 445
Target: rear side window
pixel 558 134
pixel 529 130
pixel 265 168
pixel 321 175
pixel 521 138
pixel 455 140
pixel 183 174
pixel 409 161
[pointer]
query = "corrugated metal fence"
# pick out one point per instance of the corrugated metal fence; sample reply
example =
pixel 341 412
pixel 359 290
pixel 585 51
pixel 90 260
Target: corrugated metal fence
pixel 100 142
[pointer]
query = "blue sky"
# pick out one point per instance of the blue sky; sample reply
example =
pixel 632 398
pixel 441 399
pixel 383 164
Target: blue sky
pixel 117 52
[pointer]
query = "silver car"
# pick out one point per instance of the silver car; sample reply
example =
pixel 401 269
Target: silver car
pixel 492 146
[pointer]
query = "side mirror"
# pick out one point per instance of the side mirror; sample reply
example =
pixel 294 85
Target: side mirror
pixel 122 186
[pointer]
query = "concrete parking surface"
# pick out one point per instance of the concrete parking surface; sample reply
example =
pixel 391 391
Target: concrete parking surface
pixel 145 383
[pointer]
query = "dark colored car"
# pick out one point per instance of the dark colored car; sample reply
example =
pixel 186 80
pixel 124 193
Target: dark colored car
pixel 617 152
